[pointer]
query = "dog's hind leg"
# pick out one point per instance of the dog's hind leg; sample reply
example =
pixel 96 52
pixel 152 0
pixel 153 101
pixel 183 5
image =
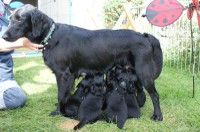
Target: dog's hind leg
pixel 150 87
pixel 146 72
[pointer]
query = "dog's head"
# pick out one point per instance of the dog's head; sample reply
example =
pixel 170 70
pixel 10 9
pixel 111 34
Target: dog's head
pixel 132 80
pixel 98 88
pixel 111 77
pixel 83 88
pixel 126 79
pixel 98 78
pixel 122 79
pixel 27 21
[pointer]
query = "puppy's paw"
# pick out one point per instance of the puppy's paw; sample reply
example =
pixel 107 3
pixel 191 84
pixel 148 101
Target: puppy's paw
pixel 136 116
pixel 76 128
pixel 157 117
pixel 55 112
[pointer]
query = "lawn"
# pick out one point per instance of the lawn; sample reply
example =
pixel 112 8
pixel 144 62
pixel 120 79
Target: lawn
pixel 181 112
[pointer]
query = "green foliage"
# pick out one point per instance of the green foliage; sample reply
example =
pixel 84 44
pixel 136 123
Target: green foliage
pixel 113 9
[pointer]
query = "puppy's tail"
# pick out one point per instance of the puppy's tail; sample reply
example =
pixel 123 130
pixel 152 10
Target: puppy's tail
pixel 157 53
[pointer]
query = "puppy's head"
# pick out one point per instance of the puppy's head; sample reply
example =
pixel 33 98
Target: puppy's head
pixel 98 86
pixel 98 90
pixel 122 79
pixel 132 80
pixel 25 21
pixel 112 77
pixel 98 78
pixel 121 86
pixel 84 85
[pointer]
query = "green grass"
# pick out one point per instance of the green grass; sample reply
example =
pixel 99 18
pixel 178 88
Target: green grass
pixel 181 112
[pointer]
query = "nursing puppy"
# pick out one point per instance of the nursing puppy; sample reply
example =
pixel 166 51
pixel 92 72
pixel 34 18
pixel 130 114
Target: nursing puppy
pixel 116 108
pixel 134 88
pixel 90 109
pixel 140 94
pixel 130 96
pixel 73 103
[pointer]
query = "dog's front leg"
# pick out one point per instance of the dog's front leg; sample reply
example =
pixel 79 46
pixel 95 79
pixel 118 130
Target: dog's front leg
pixel 65 83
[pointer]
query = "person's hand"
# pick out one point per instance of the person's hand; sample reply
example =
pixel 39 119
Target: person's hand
pixel 21 42
pixel 33 46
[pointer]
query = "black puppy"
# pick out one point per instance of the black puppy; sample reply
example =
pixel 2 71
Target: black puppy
pixel 90 108
pixel 74 101
pixel 130 96
pixel 134 95
pixel 116 108
pixel 140 94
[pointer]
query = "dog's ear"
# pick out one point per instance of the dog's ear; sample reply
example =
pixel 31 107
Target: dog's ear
pixel 38 23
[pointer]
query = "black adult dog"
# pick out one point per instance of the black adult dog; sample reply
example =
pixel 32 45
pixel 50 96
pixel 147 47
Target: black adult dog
pixel 70 50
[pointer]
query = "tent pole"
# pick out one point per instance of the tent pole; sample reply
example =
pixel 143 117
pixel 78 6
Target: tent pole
pixel 193 65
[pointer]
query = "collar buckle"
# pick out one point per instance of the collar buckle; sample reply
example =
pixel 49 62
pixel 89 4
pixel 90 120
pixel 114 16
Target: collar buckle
pixel 48 36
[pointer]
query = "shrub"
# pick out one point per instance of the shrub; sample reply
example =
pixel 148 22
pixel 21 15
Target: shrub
pixel 113 9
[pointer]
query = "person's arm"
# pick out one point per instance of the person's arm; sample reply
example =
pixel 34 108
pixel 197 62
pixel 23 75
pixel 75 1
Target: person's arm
pixel 21 42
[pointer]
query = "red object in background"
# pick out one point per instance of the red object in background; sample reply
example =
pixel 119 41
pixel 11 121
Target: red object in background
pixel 190 11
pixel 163 12
pixel 194 7
pixel 198 18
pixel 196 3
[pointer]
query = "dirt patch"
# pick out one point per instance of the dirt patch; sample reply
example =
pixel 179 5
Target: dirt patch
pixel 68 124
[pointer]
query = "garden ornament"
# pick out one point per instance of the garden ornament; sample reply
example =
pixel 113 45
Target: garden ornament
pixel 165 12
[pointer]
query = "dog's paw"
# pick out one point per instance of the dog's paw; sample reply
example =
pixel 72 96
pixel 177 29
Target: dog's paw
pixel 157 117
pixel 54 113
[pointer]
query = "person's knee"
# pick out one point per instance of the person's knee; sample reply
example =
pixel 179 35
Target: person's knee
pixel 14 97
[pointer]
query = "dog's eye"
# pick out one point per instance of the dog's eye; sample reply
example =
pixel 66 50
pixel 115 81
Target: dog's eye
pixel 17 18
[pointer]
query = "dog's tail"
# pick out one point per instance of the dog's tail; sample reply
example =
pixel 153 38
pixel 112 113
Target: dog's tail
pixel 157 52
